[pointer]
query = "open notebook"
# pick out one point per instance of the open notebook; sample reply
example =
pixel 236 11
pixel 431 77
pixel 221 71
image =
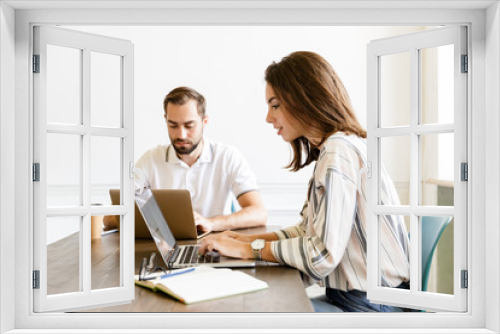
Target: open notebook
pixel 205 283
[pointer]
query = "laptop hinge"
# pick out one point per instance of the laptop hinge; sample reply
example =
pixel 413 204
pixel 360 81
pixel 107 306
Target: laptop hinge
pixel 172 256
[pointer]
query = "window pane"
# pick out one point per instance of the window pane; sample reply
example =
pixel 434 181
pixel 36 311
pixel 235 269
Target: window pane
pixel 437 84
pixel 105 171
pixel 438 170
pixel 105 90
pixel 395 90
pixel 63 169
pixel 437 254
pixel 63 85
pixel 63 255
pixel 392 264
pixel 105 256
pixel 395 156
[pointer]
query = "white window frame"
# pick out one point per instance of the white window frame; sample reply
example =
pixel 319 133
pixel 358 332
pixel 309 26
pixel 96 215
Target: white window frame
pixel 484 47
pixel 85 297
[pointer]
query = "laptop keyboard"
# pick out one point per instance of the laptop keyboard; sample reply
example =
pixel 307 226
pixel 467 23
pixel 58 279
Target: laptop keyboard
pixel 190 256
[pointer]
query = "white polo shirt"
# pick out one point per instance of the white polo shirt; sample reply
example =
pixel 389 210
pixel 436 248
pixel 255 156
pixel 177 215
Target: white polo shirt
pixel 220 174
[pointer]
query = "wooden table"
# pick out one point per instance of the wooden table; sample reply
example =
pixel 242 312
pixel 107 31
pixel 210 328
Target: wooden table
pixel 286 292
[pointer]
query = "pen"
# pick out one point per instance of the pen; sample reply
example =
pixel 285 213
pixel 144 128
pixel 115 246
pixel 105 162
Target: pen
pixel 170 275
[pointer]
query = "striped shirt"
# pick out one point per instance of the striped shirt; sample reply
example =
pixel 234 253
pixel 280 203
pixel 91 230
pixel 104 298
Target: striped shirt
pixel 329 244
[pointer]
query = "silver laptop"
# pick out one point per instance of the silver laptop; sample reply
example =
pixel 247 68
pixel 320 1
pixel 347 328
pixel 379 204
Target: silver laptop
pixel 175 205
pixel 174 255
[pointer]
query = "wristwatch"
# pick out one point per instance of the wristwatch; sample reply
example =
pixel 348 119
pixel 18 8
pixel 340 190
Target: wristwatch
pixel 257 246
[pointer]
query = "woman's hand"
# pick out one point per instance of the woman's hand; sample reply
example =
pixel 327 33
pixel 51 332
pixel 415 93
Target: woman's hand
pixel 226 245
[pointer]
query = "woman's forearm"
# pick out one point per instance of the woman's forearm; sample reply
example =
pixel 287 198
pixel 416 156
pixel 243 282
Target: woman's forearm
pixel 267 255
pixel 247 253
pixel 268 236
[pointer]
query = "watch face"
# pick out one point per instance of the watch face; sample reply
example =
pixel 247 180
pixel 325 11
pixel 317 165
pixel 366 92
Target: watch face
pixel 258 244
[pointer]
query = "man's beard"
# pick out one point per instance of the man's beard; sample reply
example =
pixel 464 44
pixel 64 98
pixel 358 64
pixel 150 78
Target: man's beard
pixel 185 150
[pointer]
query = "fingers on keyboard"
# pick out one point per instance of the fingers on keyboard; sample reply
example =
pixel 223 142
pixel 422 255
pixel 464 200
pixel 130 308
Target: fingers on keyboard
pixel 212 257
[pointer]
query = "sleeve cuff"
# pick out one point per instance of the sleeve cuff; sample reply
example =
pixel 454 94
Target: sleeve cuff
pixel 276 252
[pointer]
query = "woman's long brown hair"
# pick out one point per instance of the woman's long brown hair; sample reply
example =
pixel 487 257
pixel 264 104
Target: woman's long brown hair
pixel 312 93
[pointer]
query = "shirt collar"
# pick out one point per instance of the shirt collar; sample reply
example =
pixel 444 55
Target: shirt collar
pixel 206 155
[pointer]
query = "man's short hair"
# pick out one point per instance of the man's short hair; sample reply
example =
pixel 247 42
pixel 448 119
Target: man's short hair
pixel 181 95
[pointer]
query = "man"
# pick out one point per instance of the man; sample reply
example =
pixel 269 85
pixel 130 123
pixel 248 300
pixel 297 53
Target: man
pixel 214 173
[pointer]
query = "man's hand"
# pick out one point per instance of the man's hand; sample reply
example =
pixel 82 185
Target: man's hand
pixel 202 223
pixel 109 223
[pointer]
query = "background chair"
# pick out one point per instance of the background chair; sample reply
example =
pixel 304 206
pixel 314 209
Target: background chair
pixel 235 206
pixel 432 229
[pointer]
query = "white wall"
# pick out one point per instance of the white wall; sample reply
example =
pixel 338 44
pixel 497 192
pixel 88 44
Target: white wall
pixel 226 64
pixel 492 160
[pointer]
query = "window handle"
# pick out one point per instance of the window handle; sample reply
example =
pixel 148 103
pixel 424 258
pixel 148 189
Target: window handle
pixel 368 171
pixel 143 183
pixel 131 169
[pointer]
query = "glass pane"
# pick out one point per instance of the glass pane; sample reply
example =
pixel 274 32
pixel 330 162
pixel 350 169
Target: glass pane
pixel 437 254
pixel 105 169
pixel 63 169
pixel 64 77
pixel 63 254
pixel 395 156
pixel 437 84
pixel 437 162
pixel 105 90
pixel 394 266
pixel 395 90
pixel 105 256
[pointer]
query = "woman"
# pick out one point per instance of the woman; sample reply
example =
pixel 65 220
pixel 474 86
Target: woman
pixel 310 108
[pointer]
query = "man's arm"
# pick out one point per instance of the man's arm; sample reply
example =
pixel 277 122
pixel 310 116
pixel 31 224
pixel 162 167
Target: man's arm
pixel 252 213
pixel 109 223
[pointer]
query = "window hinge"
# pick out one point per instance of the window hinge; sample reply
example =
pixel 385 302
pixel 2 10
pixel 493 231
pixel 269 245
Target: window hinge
pixel 465 64
pixel 36 172
pixel 464 171
pixel 36 279
pixel 36 63
pixel 465 279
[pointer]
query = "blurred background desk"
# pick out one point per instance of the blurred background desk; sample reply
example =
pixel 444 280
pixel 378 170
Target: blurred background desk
pixel 286 292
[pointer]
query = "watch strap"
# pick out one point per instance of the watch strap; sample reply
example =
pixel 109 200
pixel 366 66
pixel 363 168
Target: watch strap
pixel 257 254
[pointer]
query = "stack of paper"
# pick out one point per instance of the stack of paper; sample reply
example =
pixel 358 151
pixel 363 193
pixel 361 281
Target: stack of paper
pixel 205 283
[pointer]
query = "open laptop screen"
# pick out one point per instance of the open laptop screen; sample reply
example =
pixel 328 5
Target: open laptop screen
pixel 155 221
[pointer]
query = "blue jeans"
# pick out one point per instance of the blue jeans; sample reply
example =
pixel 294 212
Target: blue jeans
pixel 351 301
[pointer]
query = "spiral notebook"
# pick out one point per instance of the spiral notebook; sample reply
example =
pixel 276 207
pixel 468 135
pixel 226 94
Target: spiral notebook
pixel 205 283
